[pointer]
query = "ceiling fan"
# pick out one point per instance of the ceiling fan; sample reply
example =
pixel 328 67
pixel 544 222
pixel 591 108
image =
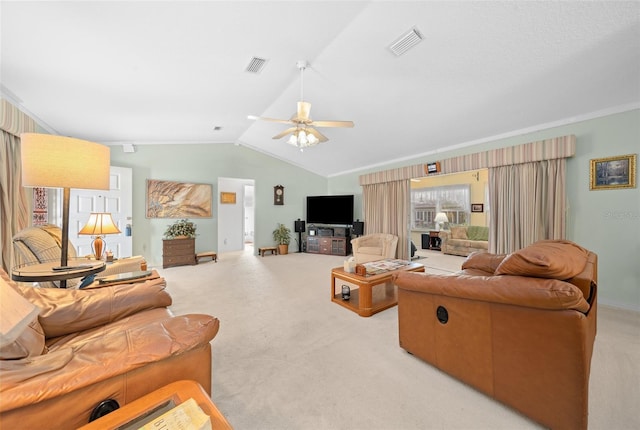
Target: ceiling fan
pixel 302 131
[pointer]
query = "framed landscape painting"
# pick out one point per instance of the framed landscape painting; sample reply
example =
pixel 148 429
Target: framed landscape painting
pixel 168 199
pixel 613 172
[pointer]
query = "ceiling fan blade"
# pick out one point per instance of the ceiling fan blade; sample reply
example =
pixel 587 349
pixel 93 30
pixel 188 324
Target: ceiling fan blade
pixel 264 118
pixel 321 137
pixel 332 123
pixel 284 133
pixel 304 109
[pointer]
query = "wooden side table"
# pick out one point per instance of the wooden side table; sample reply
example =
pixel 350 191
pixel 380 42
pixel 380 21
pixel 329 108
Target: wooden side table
pixel 41 272
pixel 177 392
pixel 434 240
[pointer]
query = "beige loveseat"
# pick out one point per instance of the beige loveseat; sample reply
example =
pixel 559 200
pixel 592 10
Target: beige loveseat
pixel 372 247
pixel 464 240
pixel 83 347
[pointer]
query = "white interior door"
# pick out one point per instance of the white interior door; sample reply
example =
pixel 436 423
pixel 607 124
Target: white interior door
pixel 117 201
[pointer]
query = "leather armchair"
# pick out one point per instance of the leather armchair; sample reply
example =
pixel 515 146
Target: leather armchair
pixel 44 243
pixel 372 247
pixel 87 346
pixel 519 327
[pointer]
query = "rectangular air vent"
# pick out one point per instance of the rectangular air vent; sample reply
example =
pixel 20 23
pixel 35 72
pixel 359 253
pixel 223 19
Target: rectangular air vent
pixel 406 42
pixel 256 65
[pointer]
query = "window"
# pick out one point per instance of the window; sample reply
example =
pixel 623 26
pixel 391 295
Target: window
pixel 453 200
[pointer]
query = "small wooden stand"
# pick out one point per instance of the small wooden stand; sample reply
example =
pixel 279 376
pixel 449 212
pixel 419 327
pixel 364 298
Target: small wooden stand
pixel 209 254
pixel 272 249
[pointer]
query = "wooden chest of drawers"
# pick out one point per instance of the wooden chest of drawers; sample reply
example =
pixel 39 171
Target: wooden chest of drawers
pixel 178 252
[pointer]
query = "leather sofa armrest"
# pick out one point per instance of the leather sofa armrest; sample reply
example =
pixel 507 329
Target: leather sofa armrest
pixel 69 311
pixel 538 293
pixel 37 379
pixel 484 261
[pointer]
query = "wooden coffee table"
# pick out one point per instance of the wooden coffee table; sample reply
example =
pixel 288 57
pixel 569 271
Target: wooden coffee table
pixel 138 412
pixel 369 294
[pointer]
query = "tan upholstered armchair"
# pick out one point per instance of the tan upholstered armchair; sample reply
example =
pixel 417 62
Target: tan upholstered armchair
pixel 43 243
pixel 372 247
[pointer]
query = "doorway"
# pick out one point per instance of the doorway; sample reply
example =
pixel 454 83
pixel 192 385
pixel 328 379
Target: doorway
pixel 452 195
pixel 236 221
pixel 117 201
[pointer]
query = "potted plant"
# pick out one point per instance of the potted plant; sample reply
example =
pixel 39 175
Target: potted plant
pixel 181 229
pixel 282 236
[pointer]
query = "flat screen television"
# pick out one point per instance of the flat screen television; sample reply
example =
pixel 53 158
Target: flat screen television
pixel 330 210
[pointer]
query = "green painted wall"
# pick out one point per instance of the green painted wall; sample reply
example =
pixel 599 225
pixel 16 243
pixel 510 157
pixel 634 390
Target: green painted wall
pixel 606 222
pixel 205 164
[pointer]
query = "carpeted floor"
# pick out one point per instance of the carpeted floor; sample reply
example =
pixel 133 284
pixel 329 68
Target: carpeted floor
pixel 286 357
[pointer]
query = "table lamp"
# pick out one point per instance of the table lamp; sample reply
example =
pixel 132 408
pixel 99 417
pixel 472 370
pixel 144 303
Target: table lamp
pixel 441 218
pixel 63 162
pixel 99 224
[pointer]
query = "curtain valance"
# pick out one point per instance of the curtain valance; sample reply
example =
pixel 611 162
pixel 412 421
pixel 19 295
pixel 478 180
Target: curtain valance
pixel 549 149
pixel 14 121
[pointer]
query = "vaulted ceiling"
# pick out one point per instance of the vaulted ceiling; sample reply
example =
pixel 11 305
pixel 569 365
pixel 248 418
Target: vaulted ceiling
pixel 146 72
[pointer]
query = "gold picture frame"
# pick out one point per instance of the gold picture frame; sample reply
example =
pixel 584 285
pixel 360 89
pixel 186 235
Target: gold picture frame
pixel 613 172
pixel 227 198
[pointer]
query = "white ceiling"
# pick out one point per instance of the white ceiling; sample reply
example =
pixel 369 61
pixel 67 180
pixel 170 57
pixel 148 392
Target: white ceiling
pixel 167 72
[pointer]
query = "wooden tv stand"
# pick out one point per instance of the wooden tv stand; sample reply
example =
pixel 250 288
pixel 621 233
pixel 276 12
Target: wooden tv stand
pixel 329 245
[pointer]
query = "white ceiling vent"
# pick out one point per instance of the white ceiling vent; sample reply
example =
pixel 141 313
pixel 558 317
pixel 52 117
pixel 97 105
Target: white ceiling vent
pixel 405 42
pixel 255 65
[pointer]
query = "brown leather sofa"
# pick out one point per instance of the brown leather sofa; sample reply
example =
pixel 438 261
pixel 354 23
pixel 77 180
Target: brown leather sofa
pixel 518 327
pixel 86 346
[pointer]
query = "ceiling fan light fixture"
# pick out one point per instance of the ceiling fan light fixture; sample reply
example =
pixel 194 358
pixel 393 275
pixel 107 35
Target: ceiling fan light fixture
pixel 301 139
pixel 302 128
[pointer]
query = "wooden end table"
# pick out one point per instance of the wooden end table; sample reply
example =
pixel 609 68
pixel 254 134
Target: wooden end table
pixel 177 392
pixel 369 294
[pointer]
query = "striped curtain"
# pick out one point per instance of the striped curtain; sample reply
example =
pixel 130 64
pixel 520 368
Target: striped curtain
pixel 528 203
pixel 14 200
pixel 386 210
pixel 541 186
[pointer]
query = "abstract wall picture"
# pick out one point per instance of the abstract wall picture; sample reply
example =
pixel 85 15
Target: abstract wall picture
pixel 168 199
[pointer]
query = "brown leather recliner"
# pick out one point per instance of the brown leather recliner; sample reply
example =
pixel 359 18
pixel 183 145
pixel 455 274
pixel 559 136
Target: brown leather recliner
pixel 519 327
pixel 86 346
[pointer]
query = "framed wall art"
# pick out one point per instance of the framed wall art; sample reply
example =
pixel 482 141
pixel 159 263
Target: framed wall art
pixel 477 207
pixel 227 198
pixel 169 199
pixel 613 172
